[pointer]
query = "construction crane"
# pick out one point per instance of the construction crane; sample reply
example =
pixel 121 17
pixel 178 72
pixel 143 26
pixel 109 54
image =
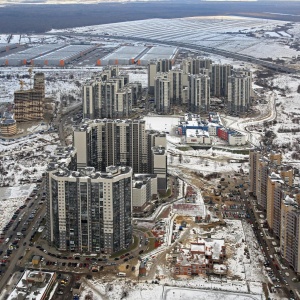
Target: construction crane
pixel 22 83
pixel 30 77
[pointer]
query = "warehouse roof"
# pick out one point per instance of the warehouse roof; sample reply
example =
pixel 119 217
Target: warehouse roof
pixel 126 52
pixel 66 52
pixel 32 52
pixel 160 52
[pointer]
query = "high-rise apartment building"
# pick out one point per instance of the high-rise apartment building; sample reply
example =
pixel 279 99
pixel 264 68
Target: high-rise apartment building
pixel 199 96
pixel 101 143
pixel 194 65
pixel 272 184
pixel 239 92
pixel 154 67
pixel 290 229
pixel 88 211
pixel 219 79
pixel 110 95
pixel 162 90
pixel 178 82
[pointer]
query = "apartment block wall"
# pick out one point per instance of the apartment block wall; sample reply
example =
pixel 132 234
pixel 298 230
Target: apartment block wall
pixel 281 200
pixel 154 67
pixel 115 142
pixel 199 97
pixel 162 92
pixel 239 93
pixel 89 211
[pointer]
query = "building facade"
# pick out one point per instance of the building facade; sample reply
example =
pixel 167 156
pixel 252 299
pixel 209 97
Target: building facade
pixel 219 79
pixel 101 143
pixel 239 93
pixel 110 95
pixel 195 66
pixel 199 88
pixel 162 90
pixel 29 104
pixel 154 67
pixel 88 211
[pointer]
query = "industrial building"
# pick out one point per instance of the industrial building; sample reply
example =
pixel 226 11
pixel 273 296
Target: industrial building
pixel 63 56
pixel 26 56
pixel 125 55
pixel 156 53
pixel 7 47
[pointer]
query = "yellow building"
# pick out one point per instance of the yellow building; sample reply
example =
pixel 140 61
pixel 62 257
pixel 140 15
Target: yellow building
pixel 8 127
pixel 36 260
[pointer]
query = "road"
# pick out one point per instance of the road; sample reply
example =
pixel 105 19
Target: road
pixel 14 257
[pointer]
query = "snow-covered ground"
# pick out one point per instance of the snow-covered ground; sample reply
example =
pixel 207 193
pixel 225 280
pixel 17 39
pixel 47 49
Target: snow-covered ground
pixel 250 36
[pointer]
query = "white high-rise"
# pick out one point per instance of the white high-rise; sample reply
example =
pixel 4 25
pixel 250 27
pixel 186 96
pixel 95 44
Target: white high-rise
pixel 239 93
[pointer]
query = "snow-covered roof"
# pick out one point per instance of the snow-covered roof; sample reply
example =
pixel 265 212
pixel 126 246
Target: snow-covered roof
pixel 196 132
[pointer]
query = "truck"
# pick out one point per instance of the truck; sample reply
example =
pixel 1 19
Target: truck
pixel 121 274
pixel 7 240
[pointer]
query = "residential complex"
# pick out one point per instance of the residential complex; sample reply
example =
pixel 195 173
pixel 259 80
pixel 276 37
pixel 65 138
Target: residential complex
pixel 29 104
pixel 110 95
pixel 144 189
pixel 272 183
pixel 101 143
pixel 154 67
pixel 197 81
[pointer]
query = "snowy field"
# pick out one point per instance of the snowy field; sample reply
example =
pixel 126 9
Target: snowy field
pixel 59 82
pixel 257 37
pixel 145 291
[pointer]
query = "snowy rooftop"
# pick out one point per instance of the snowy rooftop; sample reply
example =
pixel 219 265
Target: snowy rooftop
pixel 39 281
pixel 196 132
pixel 159 52
pixel 126 52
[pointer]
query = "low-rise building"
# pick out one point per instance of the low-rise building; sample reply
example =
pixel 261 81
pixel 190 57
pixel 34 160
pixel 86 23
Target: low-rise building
pixel 201 257
pixel 33 285
pixel 144 188
pixel 8 125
